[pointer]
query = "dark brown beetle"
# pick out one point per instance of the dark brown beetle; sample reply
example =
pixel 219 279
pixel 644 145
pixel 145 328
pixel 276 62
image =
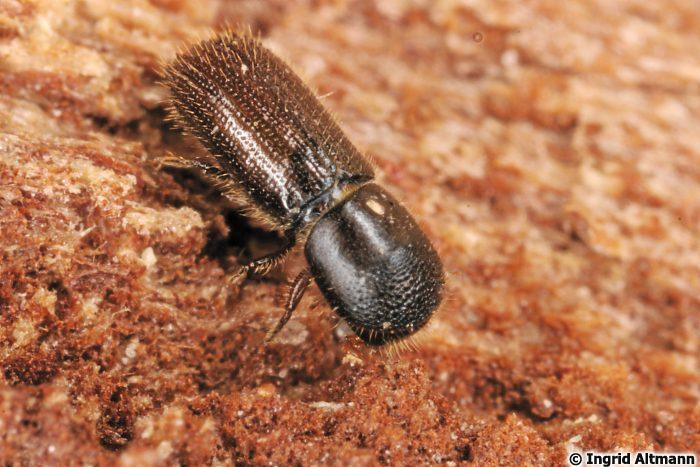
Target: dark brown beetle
pixel 275 147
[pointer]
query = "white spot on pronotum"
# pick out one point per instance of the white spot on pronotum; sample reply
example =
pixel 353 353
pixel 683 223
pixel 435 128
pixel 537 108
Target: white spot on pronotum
pixel 244 68
pixel 375 206
pixel 386 325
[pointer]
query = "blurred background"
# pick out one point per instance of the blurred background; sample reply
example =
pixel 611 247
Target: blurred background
pixel 549 149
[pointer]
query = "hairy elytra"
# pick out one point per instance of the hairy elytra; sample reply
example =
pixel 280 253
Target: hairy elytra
pixel 272 145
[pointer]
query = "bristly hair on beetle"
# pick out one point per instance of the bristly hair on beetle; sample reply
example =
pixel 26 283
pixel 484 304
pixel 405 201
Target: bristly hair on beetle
pixel 272 146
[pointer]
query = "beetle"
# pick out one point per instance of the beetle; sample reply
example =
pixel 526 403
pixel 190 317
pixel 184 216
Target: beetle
pixel 273 147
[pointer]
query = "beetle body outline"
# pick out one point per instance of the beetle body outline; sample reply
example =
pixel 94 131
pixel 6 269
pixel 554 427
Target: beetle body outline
pixel 276 148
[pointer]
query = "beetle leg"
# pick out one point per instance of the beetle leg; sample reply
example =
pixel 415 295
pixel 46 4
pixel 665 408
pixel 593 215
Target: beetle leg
pixel 266 263
pixel 216 175
pixel 294 295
